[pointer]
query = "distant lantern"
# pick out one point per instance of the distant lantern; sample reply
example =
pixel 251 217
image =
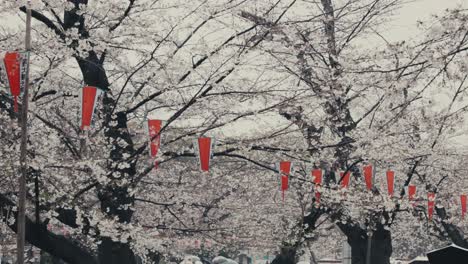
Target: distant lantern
pixel 154 130
pixel 368 173
pixel 390 182
pixel 13 63
pixel 463 204
pixel 205 148
pixel 411 192
pixel 345 179
pixel 430 204
pixel 285 170
pixel 317 179
pixel 89 97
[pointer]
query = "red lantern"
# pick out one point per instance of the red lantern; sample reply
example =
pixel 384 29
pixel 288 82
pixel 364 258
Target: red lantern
pixel 390 182
pixel 430 204
pixel 89 95
pixel 205 146
pixel 411 192
pixel 345 179
pixel 367 170
pixel 13 68
pixel 285 170
pixel 317 177
pixel 463 204
pixel 154 129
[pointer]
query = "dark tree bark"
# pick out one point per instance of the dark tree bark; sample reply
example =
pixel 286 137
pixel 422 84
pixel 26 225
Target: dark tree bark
pixel 115 200
pixel 455 234
pixel 46 258
pixel 288 252
pixel 38 235
pixel 287 255
pixel 381 244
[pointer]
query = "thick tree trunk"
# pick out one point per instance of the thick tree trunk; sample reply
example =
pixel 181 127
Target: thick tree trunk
pixel 114 197
pixel 455 234
pixel 286 256
pixel 111 252
pixel 56 245
pixel 116 201
pixel 381 245
pixel 46 258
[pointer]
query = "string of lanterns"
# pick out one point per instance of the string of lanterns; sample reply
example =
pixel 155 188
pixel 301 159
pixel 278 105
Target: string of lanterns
pixel 368 173
pixel 13 65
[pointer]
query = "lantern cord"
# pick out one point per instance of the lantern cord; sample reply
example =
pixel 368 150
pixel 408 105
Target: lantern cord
pixel 15 103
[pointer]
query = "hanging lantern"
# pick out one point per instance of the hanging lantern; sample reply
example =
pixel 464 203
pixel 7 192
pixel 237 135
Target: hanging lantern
pixel 14 73
pixel 463 204
pixel 430 204
pixel 345 179
pixel 154 129
pixel 411 192
pixel 89 95
pixel 285 170
pixel 317 178
pixel 367 170
pixel 390 182
pixel 205 148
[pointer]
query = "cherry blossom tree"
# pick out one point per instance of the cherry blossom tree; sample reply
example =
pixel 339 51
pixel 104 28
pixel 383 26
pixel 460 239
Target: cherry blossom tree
pixel 355 105
pixel 270 80
pixel 160 59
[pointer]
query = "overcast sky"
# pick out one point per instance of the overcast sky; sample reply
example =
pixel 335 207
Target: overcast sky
pixel 404 24
pixel 402 27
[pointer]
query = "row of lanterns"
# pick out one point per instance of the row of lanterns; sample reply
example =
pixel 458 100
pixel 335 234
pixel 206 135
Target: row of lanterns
pixel 14 67
pixel 367 171
pixel 204 145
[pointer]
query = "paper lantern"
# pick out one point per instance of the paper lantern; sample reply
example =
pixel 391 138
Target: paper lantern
pixel 285 170
pixel 390 182
pixel 14 71
pixel 463 204
pixel 345 179
pixel 205 148
pixel 367 170
pixel 89 95
pixel 154 130
pixel 430 204
pixel 317 178
pixel 411 192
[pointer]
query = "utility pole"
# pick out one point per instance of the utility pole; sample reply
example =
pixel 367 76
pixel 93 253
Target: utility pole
pixel 21 220
pixel 369 246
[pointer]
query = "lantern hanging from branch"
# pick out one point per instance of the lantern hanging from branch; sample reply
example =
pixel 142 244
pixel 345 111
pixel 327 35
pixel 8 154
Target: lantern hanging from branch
pixel 317 178
pixel 205 151
pixel 368 172
pixel 154 130
pixel 285 170
pixel 345 179
pixel 390 182
pixel 89 98
pixel 463 204
pixel 15 73
pixel 430 204
pixel 411 192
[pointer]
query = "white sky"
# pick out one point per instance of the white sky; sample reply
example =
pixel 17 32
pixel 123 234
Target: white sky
pixel 402 27
pixel 404 24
